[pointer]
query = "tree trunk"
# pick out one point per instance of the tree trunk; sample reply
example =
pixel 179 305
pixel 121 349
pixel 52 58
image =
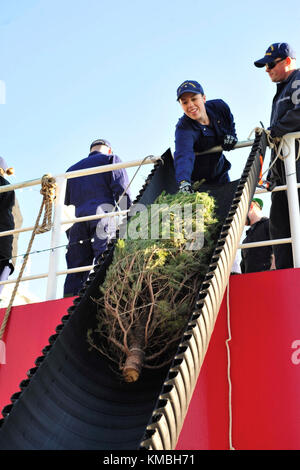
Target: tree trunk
pixel 133 364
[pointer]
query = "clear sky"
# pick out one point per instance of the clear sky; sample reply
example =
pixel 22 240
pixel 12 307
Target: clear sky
pixel 77 70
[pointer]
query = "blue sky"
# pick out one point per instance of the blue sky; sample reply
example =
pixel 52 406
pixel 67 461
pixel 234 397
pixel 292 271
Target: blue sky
pixel 78 70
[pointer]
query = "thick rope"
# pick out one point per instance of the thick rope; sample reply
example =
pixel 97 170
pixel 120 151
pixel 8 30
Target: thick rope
pixel 276 144
pixel 48 192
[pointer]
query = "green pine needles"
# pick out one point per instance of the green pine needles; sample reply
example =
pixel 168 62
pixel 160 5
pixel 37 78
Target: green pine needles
pixel 151 285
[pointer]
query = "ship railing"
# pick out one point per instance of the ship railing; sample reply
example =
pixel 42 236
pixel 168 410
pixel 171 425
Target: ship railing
pixel 58 222
pixel 51 293
pixel 289 158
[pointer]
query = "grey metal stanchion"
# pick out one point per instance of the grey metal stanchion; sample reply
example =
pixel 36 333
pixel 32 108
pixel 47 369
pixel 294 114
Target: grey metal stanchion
pixel 292 193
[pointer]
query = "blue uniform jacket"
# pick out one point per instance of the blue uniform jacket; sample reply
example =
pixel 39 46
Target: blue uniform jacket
pixel 191 137
pixel 285 118
pixel 285 115
pixel 86 193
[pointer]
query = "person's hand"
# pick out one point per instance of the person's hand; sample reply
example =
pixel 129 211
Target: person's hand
pixel 185 187
pixel 229 142
pixel 274 132
pixel 269 185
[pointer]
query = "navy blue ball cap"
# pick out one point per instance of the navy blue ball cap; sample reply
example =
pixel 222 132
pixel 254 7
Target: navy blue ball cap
pixel 100 142
pixel 189 86
pixel 275 51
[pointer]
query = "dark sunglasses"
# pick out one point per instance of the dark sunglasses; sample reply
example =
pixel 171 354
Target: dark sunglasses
pixel 273 64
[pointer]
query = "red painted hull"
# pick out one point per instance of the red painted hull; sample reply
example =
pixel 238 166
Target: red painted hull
pixel 264 313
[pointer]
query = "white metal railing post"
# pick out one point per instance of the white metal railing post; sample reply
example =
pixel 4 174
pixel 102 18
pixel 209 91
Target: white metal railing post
pixel 55 238
pixel 292 193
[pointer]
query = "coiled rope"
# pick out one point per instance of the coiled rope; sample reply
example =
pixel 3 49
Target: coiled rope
pixel 276 144
pixel 48 191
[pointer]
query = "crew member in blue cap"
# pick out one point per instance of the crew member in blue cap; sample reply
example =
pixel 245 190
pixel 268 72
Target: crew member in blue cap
pixel 280 64
pixel 90 195
pixel 205 124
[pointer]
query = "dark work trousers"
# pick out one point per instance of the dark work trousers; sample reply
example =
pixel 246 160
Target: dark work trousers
pixel 82 254
pixel 280 228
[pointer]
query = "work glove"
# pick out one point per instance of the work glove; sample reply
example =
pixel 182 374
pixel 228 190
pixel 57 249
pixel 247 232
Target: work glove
pixel 269 185
pixel 229 142
pixel 185 187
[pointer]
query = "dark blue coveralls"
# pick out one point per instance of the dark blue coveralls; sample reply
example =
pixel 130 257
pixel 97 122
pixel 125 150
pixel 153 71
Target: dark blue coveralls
pixel 257 259
pixel 88 194
pixel 191 137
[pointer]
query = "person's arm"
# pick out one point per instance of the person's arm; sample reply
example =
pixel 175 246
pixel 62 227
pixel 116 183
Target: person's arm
pixel 119 183
pixel 184 155
pixel 230 138
pixel 290 121
pixel 230 118
pixel 67 195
